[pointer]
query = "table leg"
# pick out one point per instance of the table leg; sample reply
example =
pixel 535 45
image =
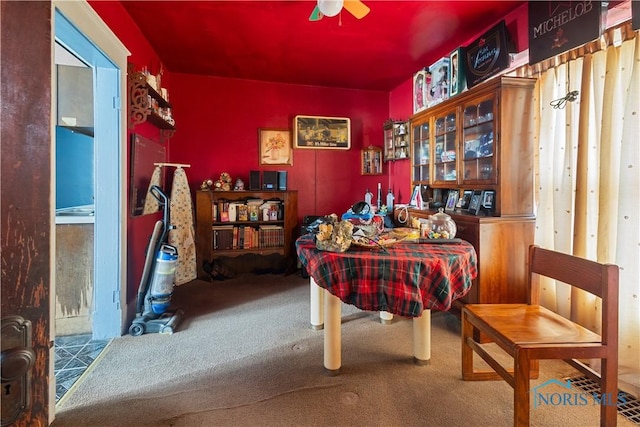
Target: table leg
pixel 317 303
pixel 332 334
pixel 386 318
pixel 422 338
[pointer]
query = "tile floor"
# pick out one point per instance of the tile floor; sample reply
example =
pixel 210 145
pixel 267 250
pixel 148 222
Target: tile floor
pixel 74 354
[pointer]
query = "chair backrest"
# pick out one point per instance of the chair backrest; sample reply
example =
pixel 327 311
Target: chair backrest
pixel 598 279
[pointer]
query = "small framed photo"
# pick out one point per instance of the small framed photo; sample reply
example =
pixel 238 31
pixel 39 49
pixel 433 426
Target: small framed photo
pixel 275 147
pixel 475 202
pixel 465 199
pixel 488 199
pixel 452 199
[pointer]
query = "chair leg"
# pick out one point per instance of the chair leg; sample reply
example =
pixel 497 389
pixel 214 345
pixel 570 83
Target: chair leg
pixel 609 390
pixel 535 369
pixel 467 352
pixel 522 370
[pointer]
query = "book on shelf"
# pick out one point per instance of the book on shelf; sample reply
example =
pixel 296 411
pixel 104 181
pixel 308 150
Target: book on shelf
pixel 272 210
pixel 222 237
pixel 254 201
pixel 233 211
pixel 243 213
pixel 223 208
pixel 271 236
pixel 253 212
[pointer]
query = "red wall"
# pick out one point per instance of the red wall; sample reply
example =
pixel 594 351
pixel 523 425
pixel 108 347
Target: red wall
pixel 217 122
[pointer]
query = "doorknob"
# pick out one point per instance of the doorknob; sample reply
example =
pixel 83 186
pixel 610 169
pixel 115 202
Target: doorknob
pixel 16 360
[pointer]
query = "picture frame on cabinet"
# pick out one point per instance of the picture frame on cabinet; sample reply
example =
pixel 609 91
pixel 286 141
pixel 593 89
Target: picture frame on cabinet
pixel 452 199
pixel 458 81
pixel 488 199
pixel 420 84
pixel 475 203
pixel 274 147
pixel 465 199
pixel 317 132
pixel 438 88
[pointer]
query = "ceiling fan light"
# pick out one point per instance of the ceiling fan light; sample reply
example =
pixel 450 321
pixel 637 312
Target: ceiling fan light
pixel 330 7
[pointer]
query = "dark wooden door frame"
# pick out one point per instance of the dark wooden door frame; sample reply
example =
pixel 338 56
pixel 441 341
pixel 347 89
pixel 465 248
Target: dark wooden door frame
pixel 25 172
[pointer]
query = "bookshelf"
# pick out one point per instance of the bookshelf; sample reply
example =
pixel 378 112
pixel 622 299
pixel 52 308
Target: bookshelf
pixel 236 223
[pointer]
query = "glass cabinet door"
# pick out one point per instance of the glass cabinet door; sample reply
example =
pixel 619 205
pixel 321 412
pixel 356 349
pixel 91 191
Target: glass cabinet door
pixel 445 144
pixel 421 153
pixel 478 138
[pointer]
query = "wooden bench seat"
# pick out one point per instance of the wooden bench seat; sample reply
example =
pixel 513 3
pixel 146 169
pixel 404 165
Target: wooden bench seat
pixel 530 332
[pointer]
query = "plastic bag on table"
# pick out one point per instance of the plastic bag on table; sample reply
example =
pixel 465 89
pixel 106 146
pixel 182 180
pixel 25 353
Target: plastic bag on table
pixel 334 235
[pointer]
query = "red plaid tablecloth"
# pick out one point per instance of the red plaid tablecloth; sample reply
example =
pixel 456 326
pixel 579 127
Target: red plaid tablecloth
pixel 404 279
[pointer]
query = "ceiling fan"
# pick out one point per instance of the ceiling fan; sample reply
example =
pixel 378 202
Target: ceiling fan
pixel 334 7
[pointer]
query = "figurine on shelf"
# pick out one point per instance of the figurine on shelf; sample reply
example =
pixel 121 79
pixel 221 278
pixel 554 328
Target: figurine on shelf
pixel 239 185
pixel 223 183
pixel 206 184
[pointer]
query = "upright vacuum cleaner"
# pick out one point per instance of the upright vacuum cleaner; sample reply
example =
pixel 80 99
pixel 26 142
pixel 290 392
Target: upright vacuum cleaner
pixel 156 284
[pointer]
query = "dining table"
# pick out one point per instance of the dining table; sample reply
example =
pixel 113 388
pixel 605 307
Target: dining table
pixel 408 278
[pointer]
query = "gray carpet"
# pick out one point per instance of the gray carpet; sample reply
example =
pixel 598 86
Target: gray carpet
pixel 245 355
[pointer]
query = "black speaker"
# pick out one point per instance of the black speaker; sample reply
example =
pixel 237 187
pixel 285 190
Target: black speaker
pixel 269 180
pixel 254 180
pixel 282 180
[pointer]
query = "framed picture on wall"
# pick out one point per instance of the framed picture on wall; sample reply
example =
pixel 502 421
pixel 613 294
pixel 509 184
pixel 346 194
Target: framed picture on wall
pixel 274 147
pixel 322 132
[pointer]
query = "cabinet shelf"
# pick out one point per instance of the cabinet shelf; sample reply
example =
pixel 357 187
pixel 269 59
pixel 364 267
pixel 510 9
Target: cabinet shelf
pixel 159 122
pixel 246 223
pixel 257 251
pixel 215 238
pixel 483 139
pixel 396 140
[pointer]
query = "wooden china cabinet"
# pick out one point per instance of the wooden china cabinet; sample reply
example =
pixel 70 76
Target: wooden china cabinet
pixel 482 142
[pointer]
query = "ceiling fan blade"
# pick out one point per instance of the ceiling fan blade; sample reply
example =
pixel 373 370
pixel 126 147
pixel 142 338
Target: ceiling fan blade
pixel 357 8
pixel 315 15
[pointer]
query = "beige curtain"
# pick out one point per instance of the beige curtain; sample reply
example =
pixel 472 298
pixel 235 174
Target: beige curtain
pixel 588 178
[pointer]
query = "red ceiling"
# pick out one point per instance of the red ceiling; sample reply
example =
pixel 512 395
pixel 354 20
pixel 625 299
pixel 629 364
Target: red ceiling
pixel 275 41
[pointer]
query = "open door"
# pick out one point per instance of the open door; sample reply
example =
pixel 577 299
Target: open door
pixel 25 211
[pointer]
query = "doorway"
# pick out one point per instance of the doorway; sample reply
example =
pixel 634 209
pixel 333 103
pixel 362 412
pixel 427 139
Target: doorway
pixel 106 165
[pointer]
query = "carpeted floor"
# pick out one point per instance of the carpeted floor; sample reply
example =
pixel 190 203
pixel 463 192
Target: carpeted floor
pixel 245 355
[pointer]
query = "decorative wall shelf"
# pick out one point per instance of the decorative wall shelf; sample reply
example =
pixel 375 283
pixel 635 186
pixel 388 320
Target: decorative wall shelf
pixel 396 140
pixel 371 161
pixel 147 105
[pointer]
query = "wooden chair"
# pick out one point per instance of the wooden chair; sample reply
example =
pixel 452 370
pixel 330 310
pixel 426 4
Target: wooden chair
pixel 530 332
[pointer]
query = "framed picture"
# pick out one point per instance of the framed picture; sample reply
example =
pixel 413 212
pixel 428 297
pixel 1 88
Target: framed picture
pixel 458 82
pixel 452 199
pixel 419 91
pixel 438 88
pixel 475 202
pixel 465 199
pixel 322 132
pixel 274 146
pixel 488 199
